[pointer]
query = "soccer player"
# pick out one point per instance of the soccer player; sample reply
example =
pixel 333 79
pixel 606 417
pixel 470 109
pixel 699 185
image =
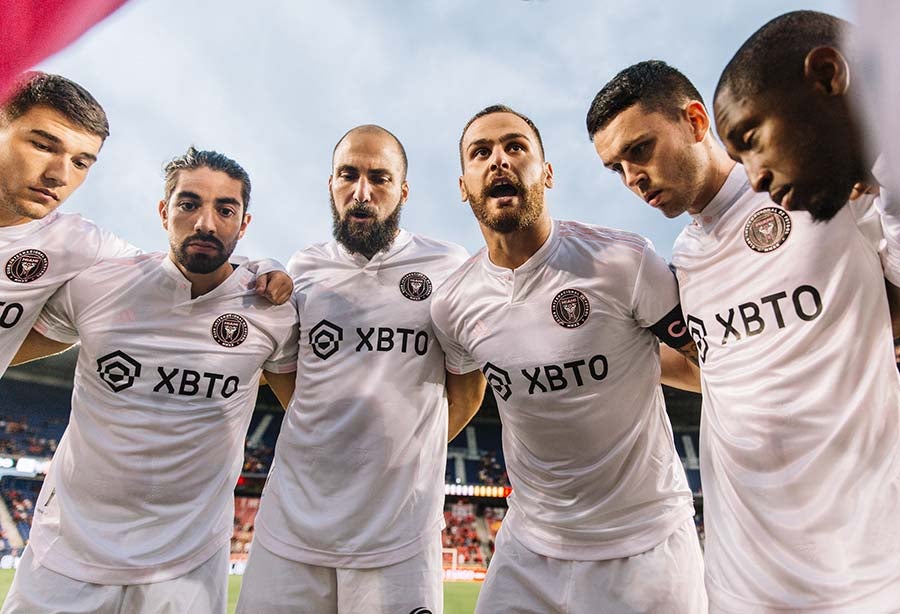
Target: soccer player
pixel 800 429
pixel 51 132
pixel 565 319
pixel 136 513
pixel 351 517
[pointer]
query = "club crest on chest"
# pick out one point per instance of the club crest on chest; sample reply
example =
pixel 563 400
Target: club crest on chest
pixel 27 266
pixel 570 308
pixel 230 330
pixel 415 286
pixel 767 229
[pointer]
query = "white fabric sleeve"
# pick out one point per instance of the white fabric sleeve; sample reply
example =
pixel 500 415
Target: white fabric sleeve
pixel 111 246
pixel 287 332
pixel 655 289
pixel 57 320
pixel 456 360
pixel 885 235
pixel 266 265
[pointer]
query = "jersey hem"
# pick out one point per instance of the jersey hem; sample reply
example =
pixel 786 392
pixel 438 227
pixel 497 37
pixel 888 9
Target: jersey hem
pixel 123 576
pixel 348 560
pixel 619 549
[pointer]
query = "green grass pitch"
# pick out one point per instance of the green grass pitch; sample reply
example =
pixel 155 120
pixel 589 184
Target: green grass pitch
pixel 459 597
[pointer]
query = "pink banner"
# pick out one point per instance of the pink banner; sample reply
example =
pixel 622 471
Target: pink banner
pixel 31 30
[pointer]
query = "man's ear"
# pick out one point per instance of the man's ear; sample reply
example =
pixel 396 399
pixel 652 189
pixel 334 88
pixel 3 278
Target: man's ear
pixel 698 117
pixel 463 192
pixel 827 71
pixel 164 214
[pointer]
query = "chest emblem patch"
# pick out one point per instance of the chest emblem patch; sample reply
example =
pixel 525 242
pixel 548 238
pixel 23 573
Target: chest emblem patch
pixel 767 229
pixel 230 330
pixel 27 266
pixel 570 308
pixel 415 286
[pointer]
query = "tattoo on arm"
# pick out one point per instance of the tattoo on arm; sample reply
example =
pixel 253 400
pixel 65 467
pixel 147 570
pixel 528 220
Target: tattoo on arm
pixel 689 351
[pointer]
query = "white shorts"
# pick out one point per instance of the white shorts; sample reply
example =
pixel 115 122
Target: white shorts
pixel 38 590
pixel 274 585
pixel 667 579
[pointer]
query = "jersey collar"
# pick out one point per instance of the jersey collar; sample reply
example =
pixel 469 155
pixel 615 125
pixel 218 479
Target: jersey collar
pixel 537 259
pixel 241 278
pixel 735 185
pixel 10 234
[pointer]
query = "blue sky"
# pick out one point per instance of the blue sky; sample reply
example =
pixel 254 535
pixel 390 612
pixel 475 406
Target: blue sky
pixel 274 84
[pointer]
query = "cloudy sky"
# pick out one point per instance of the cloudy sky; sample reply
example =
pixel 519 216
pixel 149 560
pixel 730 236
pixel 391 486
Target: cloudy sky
pixel 275 83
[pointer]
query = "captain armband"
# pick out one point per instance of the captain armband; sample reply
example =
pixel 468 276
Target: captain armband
pixel 672 330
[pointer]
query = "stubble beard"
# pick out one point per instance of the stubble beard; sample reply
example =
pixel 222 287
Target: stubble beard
pixel 510 219
pixel 203 264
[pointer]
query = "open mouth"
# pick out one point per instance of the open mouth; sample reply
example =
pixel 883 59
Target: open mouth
pixel 502 188
pixel 360 215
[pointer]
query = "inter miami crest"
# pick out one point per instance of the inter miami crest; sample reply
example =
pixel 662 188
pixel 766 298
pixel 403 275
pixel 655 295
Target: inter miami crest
pixel 767 229
pixel 230 330
pixel 415 286
pixel 27 266
pixel 570 308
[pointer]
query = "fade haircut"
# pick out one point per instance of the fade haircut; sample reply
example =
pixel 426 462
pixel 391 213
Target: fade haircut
pixel 203 158
pixel 373 128
pixel 773 56
pixel 656 86
pixel 35 88
pixel 498 108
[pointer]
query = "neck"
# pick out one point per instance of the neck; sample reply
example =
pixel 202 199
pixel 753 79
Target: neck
pixel 513 249
pixel 201 283
pixel 717 171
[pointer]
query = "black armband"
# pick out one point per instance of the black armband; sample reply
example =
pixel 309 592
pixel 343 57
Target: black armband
pixel 672 330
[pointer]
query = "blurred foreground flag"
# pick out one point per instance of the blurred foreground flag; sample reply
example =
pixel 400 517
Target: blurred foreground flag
pixel 31 30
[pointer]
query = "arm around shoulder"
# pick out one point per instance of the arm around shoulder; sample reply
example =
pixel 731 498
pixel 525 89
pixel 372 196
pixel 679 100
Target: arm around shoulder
pixel 38 346
pixel 282 384
pixel 464 395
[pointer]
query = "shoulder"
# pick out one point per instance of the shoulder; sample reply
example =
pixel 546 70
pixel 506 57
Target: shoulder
pixel 602 237
pixel 310 257
pixel 458 282
pixel 438 249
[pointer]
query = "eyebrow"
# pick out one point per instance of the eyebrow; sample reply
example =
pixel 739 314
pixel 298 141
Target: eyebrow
pixel 371 171
pixel 511 136
pixel 55 139
pixel 224 200
pixel 624 148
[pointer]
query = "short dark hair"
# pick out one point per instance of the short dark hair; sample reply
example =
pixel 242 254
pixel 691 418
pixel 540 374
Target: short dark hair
pixel 375 128
pixel 195 158
pixel 654 84
pixel 499 108
pixel 35 88
pixel 773 56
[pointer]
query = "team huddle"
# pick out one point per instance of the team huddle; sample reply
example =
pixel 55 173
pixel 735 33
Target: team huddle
pixel 779 306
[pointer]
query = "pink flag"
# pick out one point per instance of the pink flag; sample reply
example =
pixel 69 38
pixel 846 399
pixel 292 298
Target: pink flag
pixel 31 30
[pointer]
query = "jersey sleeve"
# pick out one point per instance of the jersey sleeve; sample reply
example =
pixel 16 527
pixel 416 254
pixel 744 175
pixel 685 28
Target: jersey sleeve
pixel 57 320
pixel 111 246
pixel 456 359
pixel 266 265
pixel 284 358
pixel 878 219
pixel 655 300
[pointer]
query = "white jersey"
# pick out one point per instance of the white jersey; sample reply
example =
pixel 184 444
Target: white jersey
pixel 141 487
pixel 564 342
pixel 358 476
pixel 800 430
pixel 38 257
